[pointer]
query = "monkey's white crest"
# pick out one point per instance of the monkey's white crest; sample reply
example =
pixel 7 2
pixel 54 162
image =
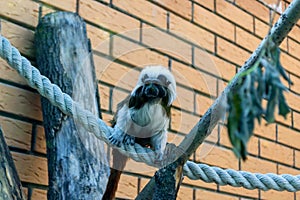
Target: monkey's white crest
pixel 160 75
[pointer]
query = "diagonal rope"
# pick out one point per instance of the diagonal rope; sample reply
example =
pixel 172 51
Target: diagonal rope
pixel 65 103
pixel 96 126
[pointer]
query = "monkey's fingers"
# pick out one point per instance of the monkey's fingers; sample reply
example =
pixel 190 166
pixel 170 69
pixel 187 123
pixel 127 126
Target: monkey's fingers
pixel 114 140
pixel 129 140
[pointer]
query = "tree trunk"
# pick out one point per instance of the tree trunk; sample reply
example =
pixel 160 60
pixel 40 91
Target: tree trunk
pixel 10 185
pixel 78 168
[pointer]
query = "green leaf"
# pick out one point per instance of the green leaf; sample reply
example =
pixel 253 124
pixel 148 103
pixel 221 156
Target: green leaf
pixel 260 81
pixel 282 106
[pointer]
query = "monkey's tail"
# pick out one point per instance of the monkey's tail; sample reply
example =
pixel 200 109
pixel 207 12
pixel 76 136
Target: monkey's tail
pixel 119 162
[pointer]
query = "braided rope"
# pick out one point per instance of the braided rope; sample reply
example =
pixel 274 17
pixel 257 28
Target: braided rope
pixel 241 178
pixel 65 103
pixel 96 126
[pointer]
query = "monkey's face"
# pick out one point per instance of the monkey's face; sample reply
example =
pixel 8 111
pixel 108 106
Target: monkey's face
pixel 155 82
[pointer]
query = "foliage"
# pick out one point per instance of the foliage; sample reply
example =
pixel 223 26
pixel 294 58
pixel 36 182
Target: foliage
pixel 261 81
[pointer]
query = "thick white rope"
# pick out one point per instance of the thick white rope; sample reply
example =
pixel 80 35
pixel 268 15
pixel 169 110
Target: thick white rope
pixel 244 179
pixel 96 126
pixel 65 103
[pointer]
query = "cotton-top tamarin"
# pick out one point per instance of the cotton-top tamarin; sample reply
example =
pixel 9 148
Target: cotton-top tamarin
pixel 143 117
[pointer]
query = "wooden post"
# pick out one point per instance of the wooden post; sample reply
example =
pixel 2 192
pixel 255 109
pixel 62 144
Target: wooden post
pixel 77 164
pixel 10 185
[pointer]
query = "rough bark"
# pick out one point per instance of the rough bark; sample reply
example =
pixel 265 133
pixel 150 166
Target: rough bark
pixel 77 165
pixel 10 185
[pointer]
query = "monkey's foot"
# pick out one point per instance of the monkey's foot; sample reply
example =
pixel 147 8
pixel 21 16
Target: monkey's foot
pixel 129 140
pixel 159 155
pixel 117 137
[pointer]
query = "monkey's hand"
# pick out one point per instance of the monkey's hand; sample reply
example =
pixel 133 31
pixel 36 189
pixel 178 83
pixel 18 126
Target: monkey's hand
pixel 117 137
pixel 129 139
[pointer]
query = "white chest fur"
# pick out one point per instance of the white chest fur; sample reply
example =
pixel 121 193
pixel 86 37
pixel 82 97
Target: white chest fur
pixel 144 122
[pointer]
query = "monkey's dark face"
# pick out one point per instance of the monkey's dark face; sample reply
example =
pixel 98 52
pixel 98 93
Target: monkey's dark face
pixel 147 93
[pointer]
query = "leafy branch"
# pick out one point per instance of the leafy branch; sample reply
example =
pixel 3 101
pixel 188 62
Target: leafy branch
pixel 261 81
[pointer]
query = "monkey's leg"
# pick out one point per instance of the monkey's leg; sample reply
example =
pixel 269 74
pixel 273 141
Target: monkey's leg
pixel 119 162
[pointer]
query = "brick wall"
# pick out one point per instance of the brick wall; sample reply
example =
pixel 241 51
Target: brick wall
pixel 203 42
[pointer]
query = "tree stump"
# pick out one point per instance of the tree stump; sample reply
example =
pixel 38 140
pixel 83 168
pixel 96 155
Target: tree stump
pixel 77 164
pixel 10 185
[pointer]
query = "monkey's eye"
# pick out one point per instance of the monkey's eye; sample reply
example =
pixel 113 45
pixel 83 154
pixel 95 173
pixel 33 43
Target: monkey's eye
pixel 144 78
pixel 164 80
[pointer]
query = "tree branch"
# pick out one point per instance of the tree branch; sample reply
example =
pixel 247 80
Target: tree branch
pixel 204 127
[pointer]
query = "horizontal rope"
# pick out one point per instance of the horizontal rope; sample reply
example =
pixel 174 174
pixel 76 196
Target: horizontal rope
pixel 244 179
pixel 96 126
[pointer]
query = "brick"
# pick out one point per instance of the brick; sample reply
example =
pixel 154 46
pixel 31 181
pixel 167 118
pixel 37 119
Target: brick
pixel 261 28
pixel 185 193
pixel 295 32
pixel 139 168
pixel 289 63
pixel 284 44
pixel 296 120
pixel 67 5
pixel 38 194
pixel 31 169
pixel 135 54
pixel 191 32
pixel 205 62
pixel 206 194
pixel 287 170
pixel 117 97
pixel 166 43
pixel 183 8
pixel 217 156
pixel 127 187
pixel 258 165
pixel 246 39
pixel 256 8
pixel 225 69
pixel 265 130
pixel 184 99
pixel 25 11
pixel 294 47
pixel 231 52
pixel 287 121
pixel 276 152
pixel 273 194
pixel 239 191
pixel 296 83
pixel 144 10
pixel 21 38
pixel 175 138
pixel 206 3
pixel 17 133
pixel 289 137
pixel 8 73
pixel 20 102
pixel 100 39
pixel 234 14
pixel 213 22
pixel 297 158
pixel 104 97
pixel 191 77
pixel 107 118
pixel 46 10
pixel 252 145
pixel 182 121
pixel 292 100
pixel 40 143
pixel 202 104
pixel 109 18
pixel 143 182
pixel 116 74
